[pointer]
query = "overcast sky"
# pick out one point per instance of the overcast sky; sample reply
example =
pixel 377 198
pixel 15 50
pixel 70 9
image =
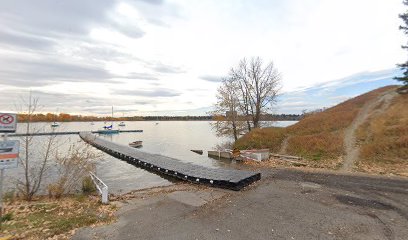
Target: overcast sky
pixel 161 57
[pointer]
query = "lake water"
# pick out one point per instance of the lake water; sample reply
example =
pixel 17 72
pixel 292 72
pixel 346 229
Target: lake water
pixel 170 138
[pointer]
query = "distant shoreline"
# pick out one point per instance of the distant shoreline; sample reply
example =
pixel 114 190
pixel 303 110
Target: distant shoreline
pixel 64 117
pixel 169 120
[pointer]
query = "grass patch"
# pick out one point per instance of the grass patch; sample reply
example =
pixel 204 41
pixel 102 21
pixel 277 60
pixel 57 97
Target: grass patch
pixel 270 138
pixel 384 149
pixel 316 147
pixel 46 218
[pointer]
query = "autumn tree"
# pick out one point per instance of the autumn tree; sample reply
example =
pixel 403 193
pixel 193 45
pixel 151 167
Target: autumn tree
pixel 248 92
pixel 404 28
pixel 226 109
pixel 259 85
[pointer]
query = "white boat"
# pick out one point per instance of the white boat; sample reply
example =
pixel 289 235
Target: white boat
pixel 121 124
pixel 55 124
pixel 136 144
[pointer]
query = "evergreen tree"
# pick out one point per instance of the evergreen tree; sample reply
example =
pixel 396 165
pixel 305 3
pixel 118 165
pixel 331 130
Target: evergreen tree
pixel 404 28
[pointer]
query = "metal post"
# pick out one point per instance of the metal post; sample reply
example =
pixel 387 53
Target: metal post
pixel 1 196
pixel 1 187
pixel 105 199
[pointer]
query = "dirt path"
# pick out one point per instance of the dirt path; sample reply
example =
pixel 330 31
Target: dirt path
pixel 351 149
pixel 284 145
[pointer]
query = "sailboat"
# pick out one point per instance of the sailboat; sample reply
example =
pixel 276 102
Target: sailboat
pixel 55 124
pixel 108 129
pixel 122 124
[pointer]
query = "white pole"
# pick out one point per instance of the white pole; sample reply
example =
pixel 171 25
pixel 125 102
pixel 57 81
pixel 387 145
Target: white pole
pixel 105 199
pixel 1 187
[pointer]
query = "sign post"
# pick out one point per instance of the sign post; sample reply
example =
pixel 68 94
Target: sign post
pixel 8 122
pixel 9 150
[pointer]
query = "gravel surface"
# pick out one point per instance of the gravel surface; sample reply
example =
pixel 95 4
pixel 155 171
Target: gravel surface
pixel 285 204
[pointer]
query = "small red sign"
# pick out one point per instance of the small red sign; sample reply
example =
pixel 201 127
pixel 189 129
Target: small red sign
pixel 6 119
pixel 8 122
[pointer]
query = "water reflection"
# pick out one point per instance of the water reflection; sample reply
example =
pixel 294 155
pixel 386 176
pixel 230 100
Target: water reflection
pixel 170 138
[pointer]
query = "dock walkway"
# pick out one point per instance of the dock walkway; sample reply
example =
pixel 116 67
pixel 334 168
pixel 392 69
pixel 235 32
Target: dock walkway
pixel 222 178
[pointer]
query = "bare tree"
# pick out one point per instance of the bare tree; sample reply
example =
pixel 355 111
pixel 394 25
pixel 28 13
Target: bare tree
pixel 33 162
pixel 226 109
pixel 243 103
pixel 259 86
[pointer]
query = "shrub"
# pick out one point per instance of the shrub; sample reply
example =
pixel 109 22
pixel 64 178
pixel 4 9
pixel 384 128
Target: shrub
pixel 72 168
pixel 7 217
pixel 259 138
pixel 88 185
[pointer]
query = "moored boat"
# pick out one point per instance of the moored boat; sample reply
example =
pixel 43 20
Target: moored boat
pixel 136 144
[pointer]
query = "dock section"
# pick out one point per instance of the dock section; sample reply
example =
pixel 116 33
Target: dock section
pixel 222 178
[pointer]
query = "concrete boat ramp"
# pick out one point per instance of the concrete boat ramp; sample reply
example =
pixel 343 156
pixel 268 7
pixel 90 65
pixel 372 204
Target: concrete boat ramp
pixel 222 178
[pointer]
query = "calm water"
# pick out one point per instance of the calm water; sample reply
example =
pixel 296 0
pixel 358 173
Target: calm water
pixel 170 138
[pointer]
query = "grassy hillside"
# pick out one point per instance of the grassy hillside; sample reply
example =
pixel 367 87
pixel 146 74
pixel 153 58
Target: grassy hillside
pixel 383 140
pixel 319 137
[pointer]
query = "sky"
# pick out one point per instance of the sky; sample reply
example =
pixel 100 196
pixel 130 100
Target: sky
pixel 329 94
pixel 166 57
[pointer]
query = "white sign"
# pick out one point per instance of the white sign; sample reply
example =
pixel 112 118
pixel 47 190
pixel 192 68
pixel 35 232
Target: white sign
pixel 8 122
pixel 9 151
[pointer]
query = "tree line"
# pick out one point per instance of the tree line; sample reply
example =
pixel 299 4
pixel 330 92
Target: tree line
pixel 65 117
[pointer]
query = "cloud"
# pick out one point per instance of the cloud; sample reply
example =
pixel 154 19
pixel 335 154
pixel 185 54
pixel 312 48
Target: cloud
pixel 163 68
pixel 340 98
pixel 145 76
pixel 211 78
pixel 294 104
pixel 14 98
pixel 19 72
pixel 154 2
pixel 144 102
pixel 13 39
pixel 148 93
pixel 52 18
pixel 100 52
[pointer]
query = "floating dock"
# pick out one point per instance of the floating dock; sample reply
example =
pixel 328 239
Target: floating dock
pixel 222 178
